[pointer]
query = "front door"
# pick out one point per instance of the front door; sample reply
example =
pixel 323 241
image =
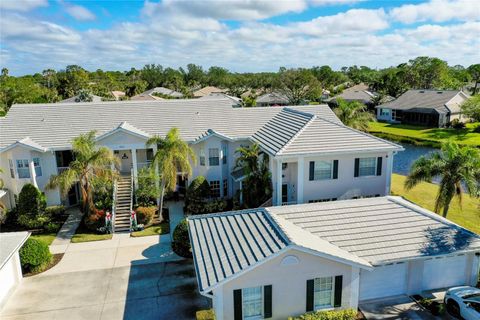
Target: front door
pixel 284 193
pixel 125 157
pixel 73 195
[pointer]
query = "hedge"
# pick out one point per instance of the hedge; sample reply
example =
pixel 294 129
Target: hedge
pixel 347 314
pixel 35 256
pixel 145 215
pixel 181 241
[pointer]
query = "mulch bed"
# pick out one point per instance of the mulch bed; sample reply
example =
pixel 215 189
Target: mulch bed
pixel 56 259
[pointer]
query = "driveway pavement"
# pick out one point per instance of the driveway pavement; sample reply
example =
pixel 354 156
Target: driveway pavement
pixel 122 278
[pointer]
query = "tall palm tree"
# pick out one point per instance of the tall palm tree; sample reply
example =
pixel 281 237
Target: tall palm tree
pixel 456 166
pixel 353 114
pixel 91 162
pixel 173 155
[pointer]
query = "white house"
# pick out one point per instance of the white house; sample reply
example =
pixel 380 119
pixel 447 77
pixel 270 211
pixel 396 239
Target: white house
pixel 313 156
pixel 287 260
pixel 10 269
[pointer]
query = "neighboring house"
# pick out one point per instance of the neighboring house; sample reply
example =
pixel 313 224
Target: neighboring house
pixel 158 93
pixel 272 99
pixel 312 155
pixel 359 92
pixel 95 98
pixel 205 91
pixel 118 95
pixel 10 268
pixel 236 102
pixel 433 108
pixel 276 262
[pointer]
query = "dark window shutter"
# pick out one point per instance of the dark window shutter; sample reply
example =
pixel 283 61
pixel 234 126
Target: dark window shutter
pixel 267 301
pixel 337 299
pixel 379 166
pixel 312 169
pixel 310 295
pixel 237 304
pixel 335 169
pixel 357 167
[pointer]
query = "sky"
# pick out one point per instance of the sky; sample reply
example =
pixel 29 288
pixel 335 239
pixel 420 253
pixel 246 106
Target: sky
pixel 243 36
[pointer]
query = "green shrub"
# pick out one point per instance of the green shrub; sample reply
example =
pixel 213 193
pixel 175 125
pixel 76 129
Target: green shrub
pixel 52 227
pixel 348 314
pixel 31 206
pixel 181 241
pixel 147 189
pixel 145 215
pixel 215 206
pixel 197 194
pixel 33 222
pixel 205 315
pixel 55 211
pixel 35 256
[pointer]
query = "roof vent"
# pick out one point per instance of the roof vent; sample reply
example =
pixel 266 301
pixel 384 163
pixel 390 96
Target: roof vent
pixel 439 92
pixel 421 91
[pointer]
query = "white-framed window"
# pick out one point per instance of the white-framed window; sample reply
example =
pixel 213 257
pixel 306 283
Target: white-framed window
pixel 323 170
pixel 384 112
pixel 213 157
pixel 367 167
pixel 38 167
pixel 202 157
pixel 224 156
pixel 12 168
pixel 323 293
pixel 252 303
pixel 214 188
pixel 22 169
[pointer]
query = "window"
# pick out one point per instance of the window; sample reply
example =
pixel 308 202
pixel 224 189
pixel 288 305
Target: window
pixel 322 200
pixel 323 293
pixel 225 187
pixel 252 303
pixel 213 157
pixel 202 157
pixel 149 155
pixel 22 169
pixel 322 170
pixel 12 169
pixel 215 189
pixel 224 151
pixel 367 167
pixel 384 112
pixel 38 167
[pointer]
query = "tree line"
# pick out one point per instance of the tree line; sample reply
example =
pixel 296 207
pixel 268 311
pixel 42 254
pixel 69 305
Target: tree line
pixel 297 84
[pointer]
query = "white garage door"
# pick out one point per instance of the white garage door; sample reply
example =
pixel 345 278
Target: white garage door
pixel 383 281
pixel 444 272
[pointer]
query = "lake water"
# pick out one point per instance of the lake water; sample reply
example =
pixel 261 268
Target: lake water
pixel 403 160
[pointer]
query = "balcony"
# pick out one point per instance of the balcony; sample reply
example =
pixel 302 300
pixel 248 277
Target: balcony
pixel 61 169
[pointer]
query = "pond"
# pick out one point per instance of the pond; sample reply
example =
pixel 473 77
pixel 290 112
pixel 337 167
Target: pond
pixel 403 160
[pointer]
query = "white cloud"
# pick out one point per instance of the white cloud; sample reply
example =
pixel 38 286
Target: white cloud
pixel 438 11
pixel 79 13
pixel 22 5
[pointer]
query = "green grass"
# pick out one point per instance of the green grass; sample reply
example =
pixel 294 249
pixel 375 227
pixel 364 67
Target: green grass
pixel 426 136
pixel 156 229
pixel 82 234
pixel 45 237
pixel 424 194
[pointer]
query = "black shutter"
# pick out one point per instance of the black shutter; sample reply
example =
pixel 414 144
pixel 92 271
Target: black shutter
pixel 379 166
pixel 312 169
pixel 357 167
pixel 310 295
pixel 267 301
pixel 237 304
pixel 335 169
pixel 337 299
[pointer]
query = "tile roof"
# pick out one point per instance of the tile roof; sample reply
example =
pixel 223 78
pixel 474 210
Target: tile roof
pixel 422 101
pixel 272 98
pixel 95 98
pixel 205 91
pixel 10 242
pixel 359 92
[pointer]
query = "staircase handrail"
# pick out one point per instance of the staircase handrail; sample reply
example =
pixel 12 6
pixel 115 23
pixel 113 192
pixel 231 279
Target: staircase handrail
pixel 114 200
pixel 133 216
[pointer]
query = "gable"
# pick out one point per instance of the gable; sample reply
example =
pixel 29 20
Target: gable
pixel 121 137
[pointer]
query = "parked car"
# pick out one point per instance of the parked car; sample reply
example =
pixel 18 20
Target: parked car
pixel 463 302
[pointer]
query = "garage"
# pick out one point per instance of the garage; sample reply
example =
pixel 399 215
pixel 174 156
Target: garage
pixel 444 272
pixel 383 281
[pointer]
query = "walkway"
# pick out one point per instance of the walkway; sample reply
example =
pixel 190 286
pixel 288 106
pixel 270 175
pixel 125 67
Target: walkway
pixel 175 213
pixel 62 241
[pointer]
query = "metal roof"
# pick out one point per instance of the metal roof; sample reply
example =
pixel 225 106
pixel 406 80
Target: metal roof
pixel 428 100
pixel 10 242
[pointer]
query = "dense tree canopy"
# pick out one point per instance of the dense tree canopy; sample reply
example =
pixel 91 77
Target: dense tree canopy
pixel 297 84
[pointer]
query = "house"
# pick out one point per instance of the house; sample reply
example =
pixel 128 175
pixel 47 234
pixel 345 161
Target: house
pixel 205 91
pixel 236 102
pixel 276 262
pixel 76 98
pixel 359 92
pixel 118 95
pixel 10 269
pixel 272 99
pixel 432 108
pixel 157 93
pixel 312 155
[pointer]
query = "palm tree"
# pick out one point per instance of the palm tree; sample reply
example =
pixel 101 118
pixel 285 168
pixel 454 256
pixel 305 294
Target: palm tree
pixel 173 155
pixel 353 114
pixel 91 162
pixel 456 166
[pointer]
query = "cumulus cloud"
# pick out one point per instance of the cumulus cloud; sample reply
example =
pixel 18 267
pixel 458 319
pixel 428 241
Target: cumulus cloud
pixel 79 13
pixel 438 11
pixel 22 5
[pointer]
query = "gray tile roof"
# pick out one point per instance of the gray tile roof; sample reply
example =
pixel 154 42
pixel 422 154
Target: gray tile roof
pixel 228 243
pixel 359 92
pixel 273 98
pixel 281 129
pixel 425 101
pixel 10 242
pixel 55 125
pixel 165 91
pixel 381 230
pixel 95 98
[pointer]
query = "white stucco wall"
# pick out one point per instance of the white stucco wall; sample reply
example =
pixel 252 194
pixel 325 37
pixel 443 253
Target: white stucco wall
pixel 288 284
pixel 10 277
pixel 385 117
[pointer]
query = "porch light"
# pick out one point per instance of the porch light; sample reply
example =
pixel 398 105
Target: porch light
pixel 124 156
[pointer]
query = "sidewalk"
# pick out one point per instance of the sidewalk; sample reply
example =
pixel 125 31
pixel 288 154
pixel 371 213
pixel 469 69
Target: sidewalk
pixel 176 214
pixel 62 240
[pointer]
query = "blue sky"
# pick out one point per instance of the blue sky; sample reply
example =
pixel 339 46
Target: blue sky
pixel 249 35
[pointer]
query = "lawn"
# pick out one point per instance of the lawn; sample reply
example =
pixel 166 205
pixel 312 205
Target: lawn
pixel 153 230
pixel 424 195
pixel 45 237
pixel 83 234
pixel 426 136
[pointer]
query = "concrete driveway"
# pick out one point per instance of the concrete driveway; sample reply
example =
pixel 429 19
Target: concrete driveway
pixel 122 278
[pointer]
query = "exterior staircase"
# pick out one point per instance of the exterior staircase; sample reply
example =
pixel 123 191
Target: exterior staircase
pixel 123 204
